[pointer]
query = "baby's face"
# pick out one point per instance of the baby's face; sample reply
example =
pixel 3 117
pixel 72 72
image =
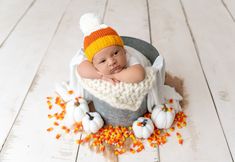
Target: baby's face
pixel 110 60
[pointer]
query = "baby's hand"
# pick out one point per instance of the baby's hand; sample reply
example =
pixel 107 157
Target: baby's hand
pixel 110 78
pixel 113 81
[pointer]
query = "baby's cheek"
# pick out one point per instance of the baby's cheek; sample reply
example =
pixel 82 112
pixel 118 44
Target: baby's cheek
pixel 105 71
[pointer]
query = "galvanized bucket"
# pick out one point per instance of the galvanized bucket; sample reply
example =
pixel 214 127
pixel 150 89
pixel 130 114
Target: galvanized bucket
pixel 119 117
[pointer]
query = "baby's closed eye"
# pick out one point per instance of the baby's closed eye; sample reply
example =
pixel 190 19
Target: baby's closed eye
pixel 102 61
pixel 116 52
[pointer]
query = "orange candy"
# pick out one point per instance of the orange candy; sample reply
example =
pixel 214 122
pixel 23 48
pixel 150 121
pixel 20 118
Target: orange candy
pixel 56 124
pixel 58 136
pixel 79 141
pixel 49 129
pixel 178 135
pixel 70 92
pixel 171 101
pixel 180 141
pixel 132 150
pixel 115 136
pixel 102 148
pixel 67 130
pixel 49 98
pixel 147 115
pixel 63 127
pixel 172 129
pixel 49 116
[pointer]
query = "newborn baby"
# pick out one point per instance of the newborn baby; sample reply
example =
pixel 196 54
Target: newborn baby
pixel 106 57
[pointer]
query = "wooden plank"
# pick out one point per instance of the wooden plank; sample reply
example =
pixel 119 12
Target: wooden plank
pixel 128 18
pixel 203 137
pixel 132 21
pixel 230 6
pixel 86 154
pixel 11 12
pixel 148 154
pixel 23 144
pixel 217 57
pixel 22 54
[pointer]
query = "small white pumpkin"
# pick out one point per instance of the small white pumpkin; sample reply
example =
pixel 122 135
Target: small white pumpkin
pixel 143 127
pixel 163 116
pixel 92 122
pixel 80 109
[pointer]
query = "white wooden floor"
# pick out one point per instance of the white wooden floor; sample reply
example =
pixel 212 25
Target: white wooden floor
pixel 39 37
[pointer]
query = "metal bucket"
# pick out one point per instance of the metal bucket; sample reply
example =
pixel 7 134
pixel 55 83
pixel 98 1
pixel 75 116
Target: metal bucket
pixel 114 116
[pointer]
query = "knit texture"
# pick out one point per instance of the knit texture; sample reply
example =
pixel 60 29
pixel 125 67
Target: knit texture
pixel 121 95
pixel 97 36
pixel 100 43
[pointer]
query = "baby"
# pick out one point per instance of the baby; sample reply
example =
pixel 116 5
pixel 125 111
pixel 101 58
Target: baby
pixel 106 57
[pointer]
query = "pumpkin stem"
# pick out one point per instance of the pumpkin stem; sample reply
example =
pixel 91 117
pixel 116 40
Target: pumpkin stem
pixel 76 103
pixel 144 122
pixel 90 117
pixel 165 109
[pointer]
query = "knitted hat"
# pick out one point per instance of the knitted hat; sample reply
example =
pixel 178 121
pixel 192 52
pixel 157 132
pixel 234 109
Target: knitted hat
pixel 97 36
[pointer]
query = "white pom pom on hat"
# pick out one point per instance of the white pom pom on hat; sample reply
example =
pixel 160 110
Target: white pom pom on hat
pixel 96 35
pixel 90 22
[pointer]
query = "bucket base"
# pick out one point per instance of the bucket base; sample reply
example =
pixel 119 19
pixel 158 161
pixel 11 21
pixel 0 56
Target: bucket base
pixel 118 117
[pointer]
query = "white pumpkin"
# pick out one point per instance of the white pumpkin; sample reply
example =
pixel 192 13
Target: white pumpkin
pixel 80 109
pixel 143 127
pixel 163 116
pixel 92 122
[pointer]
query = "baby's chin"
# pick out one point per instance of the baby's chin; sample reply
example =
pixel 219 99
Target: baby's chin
pixel 112 72
pixel 116 71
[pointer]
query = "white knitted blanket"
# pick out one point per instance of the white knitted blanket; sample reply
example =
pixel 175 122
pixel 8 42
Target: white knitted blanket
pixel 121 95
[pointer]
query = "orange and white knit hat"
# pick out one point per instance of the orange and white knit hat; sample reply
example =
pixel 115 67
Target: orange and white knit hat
pixel 97 36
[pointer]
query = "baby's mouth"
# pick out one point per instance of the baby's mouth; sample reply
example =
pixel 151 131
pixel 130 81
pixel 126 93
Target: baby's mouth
pixel 116 69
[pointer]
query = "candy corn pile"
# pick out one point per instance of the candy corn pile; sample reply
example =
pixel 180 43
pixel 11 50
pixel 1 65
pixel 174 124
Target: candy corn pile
pixel 109 135
pixel 57 111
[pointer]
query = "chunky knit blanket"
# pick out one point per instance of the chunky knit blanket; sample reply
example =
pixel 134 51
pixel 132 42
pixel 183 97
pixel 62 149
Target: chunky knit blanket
pixel 121 95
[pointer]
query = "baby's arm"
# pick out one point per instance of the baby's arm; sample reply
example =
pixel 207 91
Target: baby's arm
pixel 87 70
pixel 132 74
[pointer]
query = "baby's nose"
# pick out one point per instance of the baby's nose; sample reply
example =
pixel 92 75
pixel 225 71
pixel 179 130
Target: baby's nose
pixel 111 62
